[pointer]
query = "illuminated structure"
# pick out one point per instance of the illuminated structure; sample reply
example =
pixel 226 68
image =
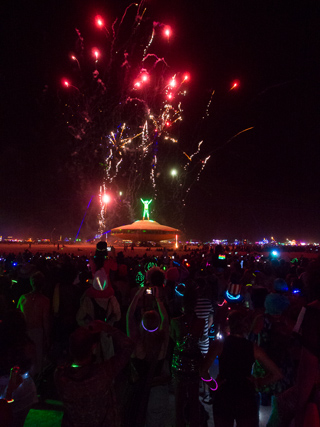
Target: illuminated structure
pixel 145 230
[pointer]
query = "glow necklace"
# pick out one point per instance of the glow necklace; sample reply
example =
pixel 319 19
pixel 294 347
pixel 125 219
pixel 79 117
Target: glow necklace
pixel 149 330
pixel 231 297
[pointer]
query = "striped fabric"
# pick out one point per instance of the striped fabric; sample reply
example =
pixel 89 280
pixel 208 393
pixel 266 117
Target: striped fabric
pixel 203 310
pixel 234 289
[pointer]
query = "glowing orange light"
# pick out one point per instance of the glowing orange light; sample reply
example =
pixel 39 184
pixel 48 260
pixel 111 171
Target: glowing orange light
pixel 168 123
pixel 145 77
pixel 73 57
pixel 99 21
pixel 170 96
pixel 66 83
pixel 137 84
pixel 186 77
pixel 173 82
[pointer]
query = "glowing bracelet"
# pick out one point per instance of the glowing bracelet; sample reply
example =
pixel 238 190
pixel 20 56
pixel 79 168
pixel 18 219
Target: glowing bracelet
pixel 10 401
pixel 176 289
pixel 208 381
pixel 216 385
pixel 149 330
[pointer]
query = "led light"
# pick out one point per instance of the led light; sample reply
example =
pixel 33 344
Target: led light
pixel 149 330
pixel 176 289
pixel 232 297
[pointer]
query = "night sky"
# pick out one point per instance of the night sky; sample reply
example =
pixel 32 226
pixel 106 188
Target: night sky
pixel 262 183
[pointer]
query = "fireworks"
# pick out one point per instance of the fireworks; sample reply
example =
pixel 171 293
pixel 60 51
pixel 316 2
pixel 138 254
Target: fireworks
pixel 124 116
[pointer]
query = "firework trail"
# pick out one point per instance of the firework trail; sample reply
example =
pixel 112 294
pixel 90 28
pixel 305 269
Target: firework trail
pixel 123 108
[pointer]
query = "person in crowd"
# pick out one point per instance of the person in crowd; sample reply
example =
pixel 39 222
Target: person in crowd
pixel 186 332
pixel 276 340
pixel 258 297
pixel 149 329
pixel 85 387
pixel 17 349
pixel 6 413
pixel 307 385
pixel 204 310
pixel 65 304
pixel 36 310
pixel 235 389
pixel 99 303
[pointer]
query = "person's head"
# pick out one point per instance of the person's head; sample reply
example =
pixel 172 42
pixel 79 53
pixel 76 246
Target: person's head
pixel 100 281
pixel 37 281
pixel 150 321
pixel 275 304
pixel 155 276
pixel 81 344
pixel 101 254
pixel 189 299
pixel 173 274
pixel 202 287
pixel 258 297
pixel 280 285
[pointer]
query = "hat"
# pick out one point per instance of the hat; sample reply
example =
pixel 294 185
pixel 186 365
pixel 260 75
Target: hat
pixel 155 276
pixel 100 281
pixel 173 274
pixel 280 285
pixel 233 292
pixel 101 249
pixel 26 270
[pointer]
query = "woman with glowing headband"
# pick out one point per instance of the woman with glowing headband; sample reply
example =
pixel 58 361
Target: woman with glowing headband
pixel 150 379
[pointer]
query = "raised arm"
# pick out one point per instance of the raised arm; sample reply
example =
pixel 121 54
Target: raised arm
pixel 132 327
pixel 124 346
pixel 162 310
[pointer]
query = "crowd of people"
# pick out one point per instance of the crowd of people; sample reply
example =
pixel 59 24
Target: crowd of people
pixel 112 335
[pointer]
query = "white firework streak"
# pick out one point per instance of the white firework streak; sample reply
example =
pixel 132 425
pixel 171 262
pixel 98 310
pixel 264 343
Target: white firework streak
pixel 192 155
pixel 149 44
pixel 204 162
pixel 152 175
pixel 198 151
pixel 208 105
pixel 117 165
